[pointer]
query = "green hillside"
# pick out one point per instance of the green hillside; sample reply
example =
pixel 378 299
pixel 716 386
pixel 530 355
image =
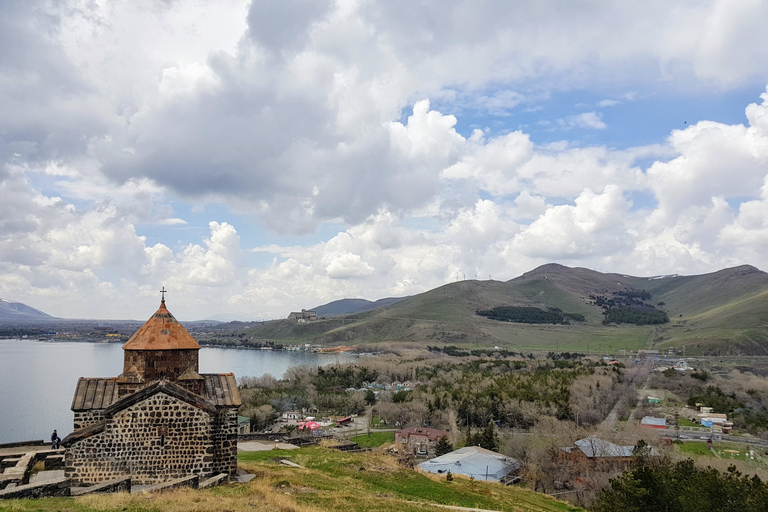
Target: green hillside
pixel 719 313
pixel 326 480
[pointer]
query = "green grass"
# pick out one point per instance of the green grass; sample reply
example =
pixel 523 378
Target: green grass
pixel 328 480
pixel 687 423
pixel 699 449
pixel 694 448
pixel 369 474
pixel 374 439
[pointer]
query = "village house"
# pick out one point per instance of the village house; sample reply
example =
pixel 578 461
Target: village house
pixel 712 418
pixel 243 425
pixel 292 416
pixel 596 451
pixel 650 421
pixel 419 440
pixel 158 420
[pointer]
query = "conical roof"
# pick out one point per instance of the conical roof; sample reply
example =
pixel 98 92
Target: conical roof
pixel 161 332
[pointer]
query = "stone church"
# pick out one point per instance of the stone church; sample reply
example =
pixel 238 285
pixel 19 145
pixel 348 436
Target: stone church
pixel 160 419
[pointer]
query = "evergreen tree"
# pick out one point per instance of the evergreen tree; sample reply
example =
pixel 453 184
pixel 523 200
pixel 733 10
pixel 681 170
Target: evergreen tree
pixel 682 487
pixel 443 446
pixel 488 438
pixel 470 439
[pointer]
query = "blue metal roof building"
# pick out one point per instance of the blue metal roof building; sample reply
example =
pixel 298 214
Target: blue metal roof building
pixel 473 461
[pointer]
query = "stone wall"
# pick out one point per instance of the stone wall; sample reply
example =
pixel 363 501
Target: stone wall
pixel 87 418
pixel 157 439
pixel 225 442
pixel 156 364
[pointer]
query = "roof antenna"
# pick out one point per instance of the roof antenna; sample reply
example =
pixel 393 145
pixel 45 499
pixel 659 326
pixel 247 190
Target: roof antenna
pixel 162 295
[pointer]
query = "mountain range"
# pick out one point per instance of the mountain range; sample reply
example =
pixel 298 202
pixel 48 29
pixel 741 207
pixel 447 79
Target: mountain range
pixel 721 313
pixel 347 306
pixel 16 311
pixel 551 308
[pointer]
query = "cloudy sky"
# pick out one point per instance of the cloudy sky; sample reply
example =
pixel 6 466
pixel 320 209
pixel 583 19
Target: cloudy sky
pixel 259 157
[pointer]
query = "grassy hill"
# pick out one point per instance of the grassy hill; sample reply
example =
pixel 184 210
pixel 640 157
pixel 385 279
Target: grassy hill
pixel 348 306
pixel 719 313
pixel 328 480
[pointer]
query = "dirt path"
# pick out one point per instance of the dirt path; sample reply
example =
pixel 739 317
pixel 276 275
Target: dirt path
pixel 613 416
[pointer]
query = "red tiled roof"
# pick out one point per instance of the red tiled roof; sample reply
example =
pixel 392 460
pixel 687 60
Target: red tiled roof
pixel 161 332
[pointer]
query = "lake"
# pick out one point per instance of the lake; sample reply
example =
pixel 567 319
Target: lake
pixel 38 379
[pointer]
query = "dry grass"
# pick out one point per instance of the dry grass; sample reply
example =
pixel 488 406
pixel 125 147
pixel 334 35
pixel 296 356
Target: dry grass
pixel 328 481
pixel 259 494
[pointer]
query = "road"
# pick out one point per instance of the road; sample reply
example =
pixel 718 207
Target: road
pixel 613 416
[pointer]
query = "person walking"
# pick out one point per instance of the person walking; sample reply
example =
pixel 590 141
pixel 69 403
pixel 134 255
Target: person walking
pixel 55 440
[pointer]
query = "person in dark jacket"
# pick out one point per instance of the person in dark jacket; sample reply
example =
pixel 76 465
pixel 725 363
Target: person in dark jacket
pixel 55 440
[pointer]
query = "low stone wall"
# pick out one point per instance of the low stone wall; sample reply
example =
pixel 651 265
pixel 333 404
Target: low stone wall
pixel 260 437
pixel 220 479
pixel 192 481
pixel 58 487
pixel 116 485
pixel 9 462
pixel 22 469
pixel 304 441
pixel 17 444
pixel 16 470
pixel 54 461
pixel 6 480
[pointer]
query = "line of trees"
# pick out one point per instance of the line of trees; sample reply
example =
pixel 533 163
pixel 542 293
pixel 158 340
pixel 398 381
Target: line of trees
pixel 628 307
pixel 454 351
pixel 530 315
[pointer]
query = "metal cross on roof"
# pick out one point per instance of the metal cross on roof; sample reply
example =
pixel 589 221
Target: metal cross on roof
pixel 162 294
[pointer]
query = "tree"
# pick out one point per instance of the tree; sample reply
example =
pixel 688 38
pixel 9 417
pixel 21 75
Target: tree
pixel 401 396
pixel 443 446
pixel 470 438
pixel 488 438
pixel 370 397
pixel 641 452
pixel 682 487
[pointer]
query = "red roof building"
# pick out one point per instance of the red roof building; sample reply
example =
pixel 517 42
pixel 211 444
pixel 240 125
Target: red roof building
pixel 420 440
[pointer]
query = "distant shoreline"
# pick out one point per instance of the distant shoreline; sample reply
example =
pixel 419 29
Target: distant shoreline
pixel 207 344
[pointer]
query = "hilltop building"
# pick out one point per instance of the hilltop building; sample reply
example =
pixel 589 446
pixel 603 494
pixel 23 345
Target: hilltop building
pixel 305 315
pixel 158 420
